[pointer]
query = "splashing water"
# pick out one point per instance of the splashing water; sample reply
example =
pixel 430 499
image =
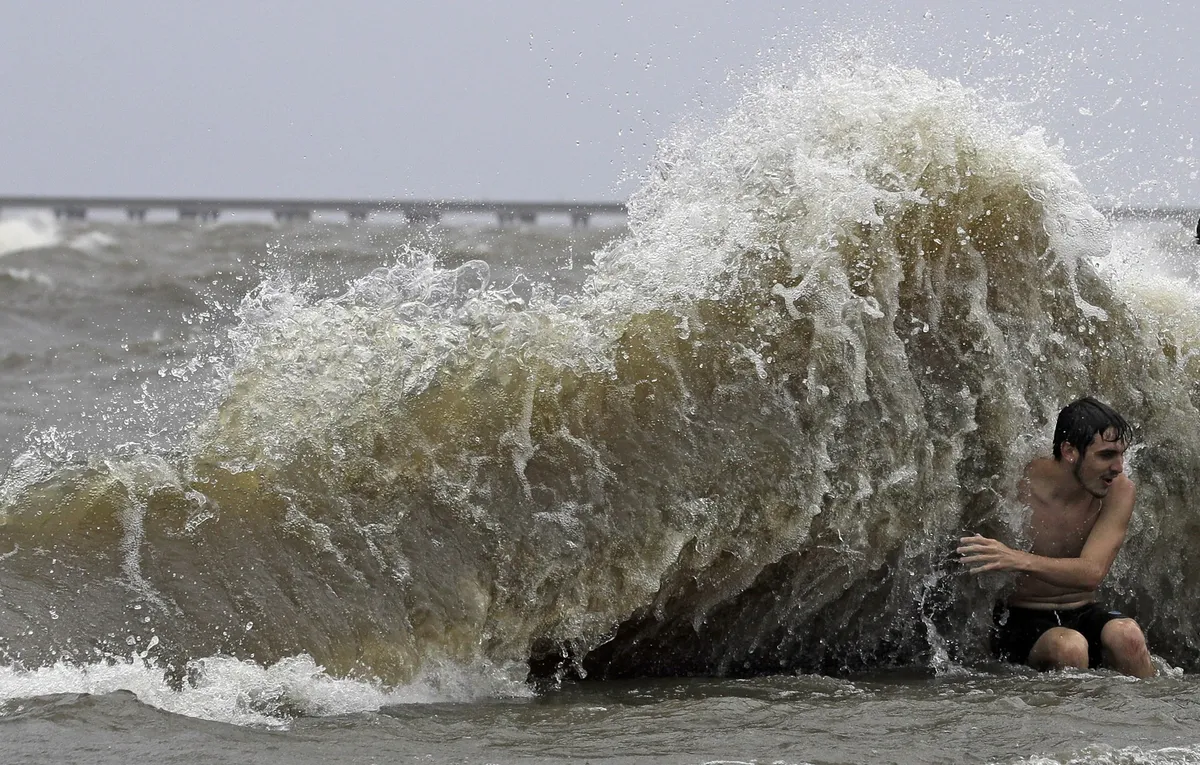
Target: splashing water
pixel 841 323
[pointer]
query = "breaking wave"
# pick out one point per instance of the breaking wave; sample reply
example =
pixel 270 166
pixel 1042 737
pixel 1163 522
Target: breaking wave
pixel 841 322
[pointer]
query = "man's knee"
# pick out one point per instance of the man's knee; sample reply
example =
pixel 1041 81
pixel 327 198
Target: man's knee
pixel 1123 637
pixel 1059 648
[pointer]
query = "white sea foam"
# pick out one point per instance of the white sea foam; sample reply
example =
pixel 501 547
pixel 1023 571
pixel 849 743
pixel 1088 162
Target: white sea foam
pixel 1132 755
pixel 28 233
pixel 92 242
pixel 28 276
pixel 229 690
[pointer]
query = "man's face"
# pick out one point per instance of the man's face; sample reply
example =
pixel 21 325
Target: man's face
pixel 1100 464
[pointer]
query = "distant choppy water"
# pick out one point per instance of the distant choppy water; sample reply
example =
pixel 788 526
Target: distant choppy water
pixel 680 493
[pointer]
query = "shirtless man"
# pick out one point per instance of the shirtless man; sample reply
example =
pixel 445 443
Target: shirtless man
pixel 1081 501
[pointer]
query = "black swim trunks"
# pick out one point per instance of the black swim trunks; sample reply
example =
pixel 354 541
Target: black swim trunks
pixel 1015 630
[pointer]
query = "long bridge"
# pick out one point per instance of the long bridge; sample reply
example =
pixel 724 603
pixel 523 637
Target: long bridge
pixel 211 208
pixel 414 210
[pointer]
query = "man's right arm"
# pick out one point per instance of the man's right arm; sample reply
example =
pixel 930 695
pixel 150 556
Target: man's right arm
pixel 1085 572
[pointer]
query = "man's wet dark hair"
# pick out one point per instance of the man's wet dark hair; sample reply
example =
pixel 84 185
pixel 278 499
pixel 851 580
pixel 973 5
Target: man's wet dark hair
pixel 1080 421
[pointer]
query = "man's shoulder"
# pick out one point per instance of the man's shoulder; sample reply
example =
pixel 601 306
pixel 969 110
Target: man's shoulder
pixel 1034 487
pixel 1122 490
pixel 1040 464
pixel 1039 469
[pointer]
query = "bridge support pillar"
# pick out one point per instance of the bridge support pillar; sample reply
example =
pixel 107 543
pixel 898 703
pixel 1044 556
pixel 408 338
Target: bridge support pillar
pixel 422 217
pixel 201 214
pixel 136 214
pixel 580 219
pixel 292 216
pixel 70 213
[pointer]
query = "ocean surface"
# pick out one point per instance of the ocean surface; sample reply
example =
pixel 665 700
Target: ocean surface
pixel 681 489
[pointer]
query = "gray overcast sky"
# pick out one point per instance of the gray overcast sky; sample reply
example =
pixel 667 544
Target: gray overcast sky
pixel 531 99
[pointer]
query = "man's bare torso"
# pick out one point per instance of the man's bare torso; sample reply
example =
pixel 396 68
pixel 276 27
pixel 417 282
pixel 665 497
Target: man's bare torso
pixel 1057 530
